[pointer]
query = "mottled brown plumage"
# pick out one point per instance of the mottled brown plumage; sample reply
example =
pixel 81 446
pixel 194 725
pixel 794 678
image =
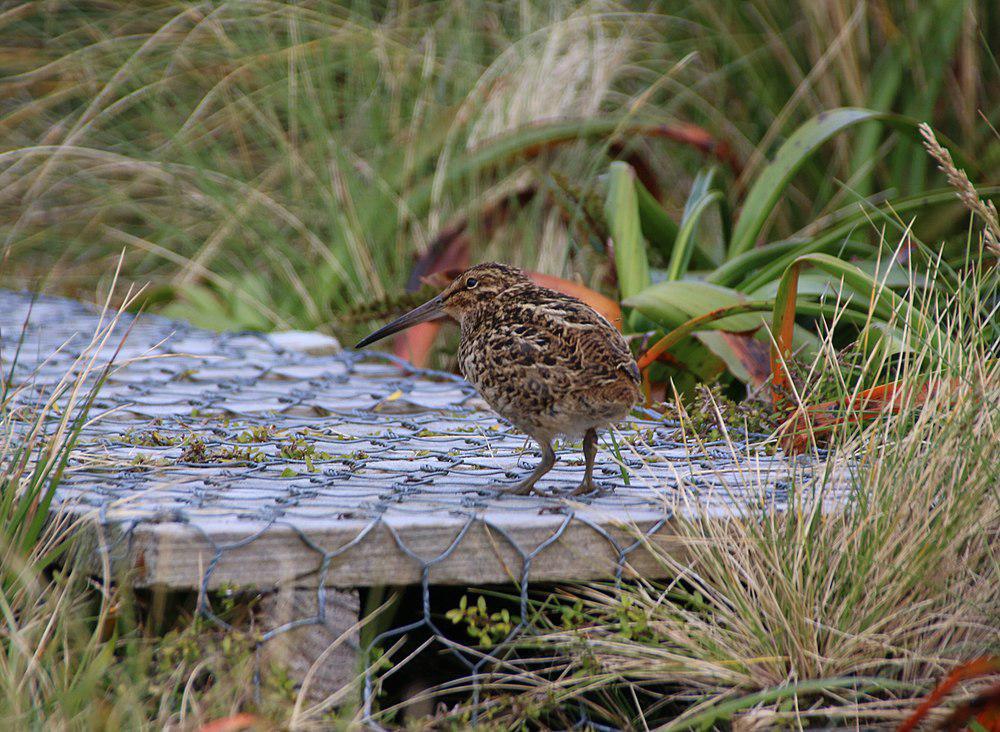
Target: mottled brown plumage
pixel 546 362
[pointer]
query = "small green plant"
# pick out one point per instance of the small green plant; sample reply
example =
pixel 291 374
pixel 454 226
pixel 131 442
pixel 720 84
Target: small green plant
pixel 300 447
pixel 633 621
pixel 150 438
pixel 571 614
pixel 257 434
pixel 196 450
pixel 484 627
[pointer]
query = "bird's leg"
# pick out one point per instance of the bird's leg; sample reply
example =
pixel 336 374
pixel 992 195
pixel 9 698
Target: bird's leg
pixel 589 454
pixel 548 460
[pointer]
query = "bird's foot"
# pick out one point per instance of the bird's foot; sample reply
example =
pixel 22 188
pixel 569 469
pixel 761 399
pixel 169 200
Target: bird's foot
pixel 587 486
pixel 524 488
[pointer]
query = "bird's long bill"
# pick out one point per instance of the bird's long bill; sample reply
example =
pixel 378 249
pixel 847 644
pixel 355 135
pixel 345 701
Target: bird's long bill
pixel 430 310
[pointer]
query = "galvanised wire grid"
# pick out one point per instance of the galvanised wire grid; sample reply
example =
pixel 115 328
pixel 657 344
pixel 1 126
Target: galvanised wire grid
pixel 233 459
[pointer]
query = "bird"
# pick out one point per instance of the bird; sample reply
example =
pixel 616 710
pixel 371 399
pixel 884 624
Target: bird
pixel 546 362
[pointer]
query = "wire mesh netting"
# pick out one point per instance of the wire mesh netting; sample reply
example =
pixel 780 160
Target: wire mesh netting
pixel 217 459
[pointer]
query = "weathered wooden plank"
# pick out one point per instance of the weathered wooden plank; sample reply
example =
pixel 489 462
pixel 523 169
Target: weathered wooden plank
pixel 484 552
pixel 323 657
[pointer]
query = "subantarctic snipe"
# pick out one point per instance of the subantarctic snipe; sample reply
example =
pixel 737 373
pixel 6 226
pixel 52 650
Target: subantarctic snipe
pixel 546 362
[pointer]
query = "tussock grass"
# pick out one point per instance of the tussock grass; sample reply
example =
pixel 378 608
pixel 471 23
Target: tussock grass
pixel 809 616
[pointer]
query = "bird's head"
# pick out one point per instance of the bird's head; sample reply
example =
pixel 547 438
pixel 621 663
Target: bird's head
pixel 476 287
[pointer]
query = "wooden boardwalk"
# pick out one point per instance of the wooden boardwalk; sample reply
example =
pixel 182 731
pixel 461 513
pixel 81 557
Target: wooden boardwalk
pixel 256 460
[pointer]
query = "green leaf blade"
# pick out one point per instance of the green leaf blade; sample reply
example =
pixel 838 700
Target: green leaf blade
pixel 622 211
pixel 674 303
pixel 774 179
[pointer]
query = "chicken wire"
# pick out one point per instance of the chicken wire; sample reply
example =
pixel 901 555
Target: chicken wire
pixel 241 437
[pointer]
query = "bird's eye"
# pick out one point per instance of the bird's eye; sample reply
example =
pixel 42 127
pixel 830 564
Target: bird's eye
pixel 471 282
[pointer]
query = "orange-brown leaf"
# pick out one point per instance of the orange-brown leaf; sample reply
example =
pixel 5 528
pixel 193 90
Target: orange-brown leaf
pixel 868 404
pixel 984 708
pixel 236 723
pixel 753 354
pixel 781 351
pixel 686 134
pixel 975 668
pixel 602 304
pixel 415 344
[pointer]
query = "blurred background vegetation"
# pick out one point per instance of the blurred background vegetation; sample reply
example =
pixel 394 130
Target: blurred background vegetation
pixel 274 165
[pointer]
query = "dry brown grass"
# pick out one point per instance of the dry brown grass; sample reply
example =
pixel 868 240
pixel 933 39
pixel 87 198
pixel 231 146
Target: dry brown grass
pixel 813 615
pixel 966 191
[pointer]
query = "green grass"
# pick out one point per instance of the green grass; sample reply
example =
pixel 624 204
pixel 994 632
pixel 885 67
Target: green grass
pixel 275 165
